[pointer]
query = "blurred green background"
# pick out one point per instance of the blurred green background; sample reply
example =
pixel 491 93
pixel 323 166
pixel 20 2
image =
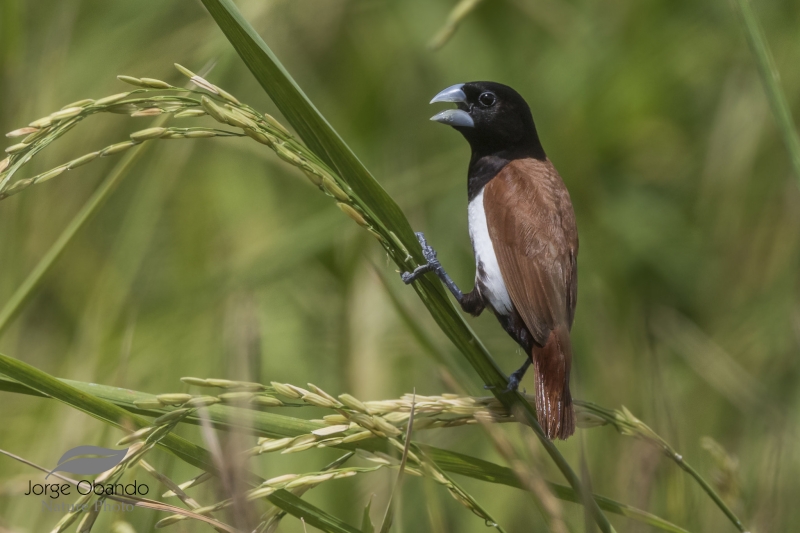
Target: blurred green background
pixel 215 259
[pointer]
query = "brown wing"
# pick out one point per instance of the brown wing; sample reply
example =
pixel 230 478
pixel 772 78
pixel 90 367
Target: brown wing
pixel 532 227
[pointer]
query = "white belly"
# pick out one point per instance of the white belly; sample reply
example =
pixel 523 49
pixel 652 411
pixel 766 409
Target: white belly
pixel 487 275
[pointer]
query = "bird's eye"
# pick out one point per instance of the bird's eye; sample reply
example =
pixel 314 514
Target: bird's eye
pixel 487 99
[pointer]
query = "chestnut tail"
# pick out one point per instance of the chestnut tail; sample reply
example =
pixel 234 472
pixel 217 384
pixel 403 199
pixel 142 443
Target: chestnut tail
pixel 553 400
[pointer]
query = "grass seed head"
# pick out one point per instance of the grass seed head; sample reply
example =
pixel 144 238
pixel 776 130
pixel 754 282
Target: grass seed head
pixel 310 480
pixel 111 99
pixel 266 401
pixel 122 109
pixel 140 434
pixel 174 398
pixel 273 445
pixel 285 390
pixel 365 421
pixel 269 119
pixel 330 442
pixel 236 118
pixel 199 382
pixel 280 480
pixel 200 134
pixel 15 148
pixel 203 83
pixel 155 84
pixel 331 430
pixel 299 447
pixel 298 390
pixel 22 131
pixel 228 96
pixel 258 137
pixel 319 401
pixel 4 163
pixel 322 393
pixel 315 178
pixel 185 71
pixel 335 419
pixel 80 103
pixel 586 420
pixel 149 112
pixel 131 81
pixel 302 439
pixel 202 401
pixel 170 417
pixel 236 397
pixel 41 123
pixel 334 190
pixel 149 133
pixel 385 426
pixel 208 509
pixel 75 163
pixel 117 148
pixel 148 404
pixel 375 234
pixel 38 134
pixel 221 383
pixel 257 494
pixel 357 437
pixel 194 112
pixel 353 403
pixel 215 111
pixel 288 155
pixel 352 213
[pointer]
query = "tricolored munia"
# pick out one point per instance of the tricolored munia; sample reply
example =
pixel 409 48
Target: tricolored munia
pixel 525 240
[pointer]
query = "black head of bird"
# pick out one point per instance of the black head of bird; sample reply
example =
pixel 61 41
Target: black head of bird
pixel 493 117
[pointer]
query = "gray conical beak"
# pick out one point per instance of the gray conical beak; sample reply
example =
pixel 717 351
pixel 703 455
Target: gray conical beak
pixel 453 93
pixel 453 117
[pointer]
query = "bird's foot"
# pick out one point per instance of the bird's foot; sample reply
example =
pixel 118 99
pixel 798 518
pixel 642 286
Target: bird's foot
pixel 432 264
pixel 516 377
pixel 513 381
pixel 427 250
pixel 513 384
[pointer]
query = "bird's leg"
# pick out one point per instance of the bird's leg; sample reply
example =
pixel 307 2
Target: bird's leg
pixel 516 376
pixel 432 265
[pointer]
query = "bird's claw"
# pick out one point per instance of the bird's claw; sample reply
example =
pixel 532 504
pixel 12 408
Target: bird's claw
pixel 407 277
pixel 513 383
pixel 515 378
pixel 427 250
pixel 432 262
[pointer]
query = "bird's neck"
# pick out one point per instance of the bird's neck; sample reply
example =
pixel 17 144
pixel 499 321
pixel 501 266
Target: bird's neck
pixel 486 164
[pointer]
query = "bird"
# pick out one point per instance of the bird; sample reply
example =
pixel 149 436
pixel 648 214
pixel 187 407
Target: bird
pixel 524 237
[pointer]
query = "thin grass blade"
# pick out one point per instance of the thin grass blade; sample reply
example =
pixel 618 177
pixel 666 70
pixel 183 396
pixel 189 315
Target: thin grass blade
pixel 366 522
pixel 388 518
pixel 314 516
pixel 771 80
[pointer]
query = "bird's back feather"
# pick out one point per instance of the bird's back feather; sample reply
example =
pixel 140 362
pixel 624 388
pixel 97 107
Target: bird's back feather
pixel 532 227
